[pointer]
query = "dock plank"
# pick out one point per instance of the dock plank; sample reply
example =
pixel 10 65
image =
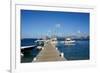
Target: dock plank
pixel 49 53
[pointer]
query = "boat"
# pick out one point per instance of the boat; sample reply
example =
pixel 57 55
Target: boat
pixel 40 42
pixel 69 41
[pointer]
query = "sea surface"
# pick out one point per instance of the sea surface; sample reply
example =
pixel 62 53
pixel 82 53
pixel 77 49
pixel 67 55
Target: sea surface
pixel 77 51
pixel 27 41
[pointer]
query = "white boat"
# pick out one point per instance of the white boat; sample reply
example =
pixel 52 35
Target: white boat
pixel 69 41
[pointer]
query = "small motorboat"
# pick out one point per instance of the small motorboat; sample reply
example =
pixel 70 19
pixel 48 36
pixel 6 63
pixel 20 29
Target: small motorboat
pixel 69 41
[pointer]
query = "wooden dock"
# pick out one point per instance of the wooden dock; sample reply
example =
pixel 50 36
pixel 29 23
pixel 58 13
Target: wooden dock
pixel 49 53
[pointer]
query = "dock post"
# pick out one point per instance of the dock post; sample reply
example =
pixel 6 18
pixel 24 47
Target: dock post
pixel 62 55
pixel 34 59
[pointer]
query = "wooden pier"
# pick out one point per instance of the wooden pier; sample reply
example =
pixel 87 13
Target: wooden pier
pixel 49 53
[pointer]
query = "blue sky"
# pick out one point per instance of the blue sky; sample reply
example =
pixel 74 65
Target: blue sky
pixel 40 23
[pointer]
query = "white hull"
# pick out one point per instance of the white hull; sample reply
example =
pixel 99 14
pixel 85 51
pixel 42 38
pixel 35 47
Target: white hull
pixel 69 41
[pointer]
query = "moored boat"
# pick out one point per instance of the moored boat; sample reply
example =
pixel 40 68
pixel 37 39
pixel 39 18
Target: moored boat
pixel 69 41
